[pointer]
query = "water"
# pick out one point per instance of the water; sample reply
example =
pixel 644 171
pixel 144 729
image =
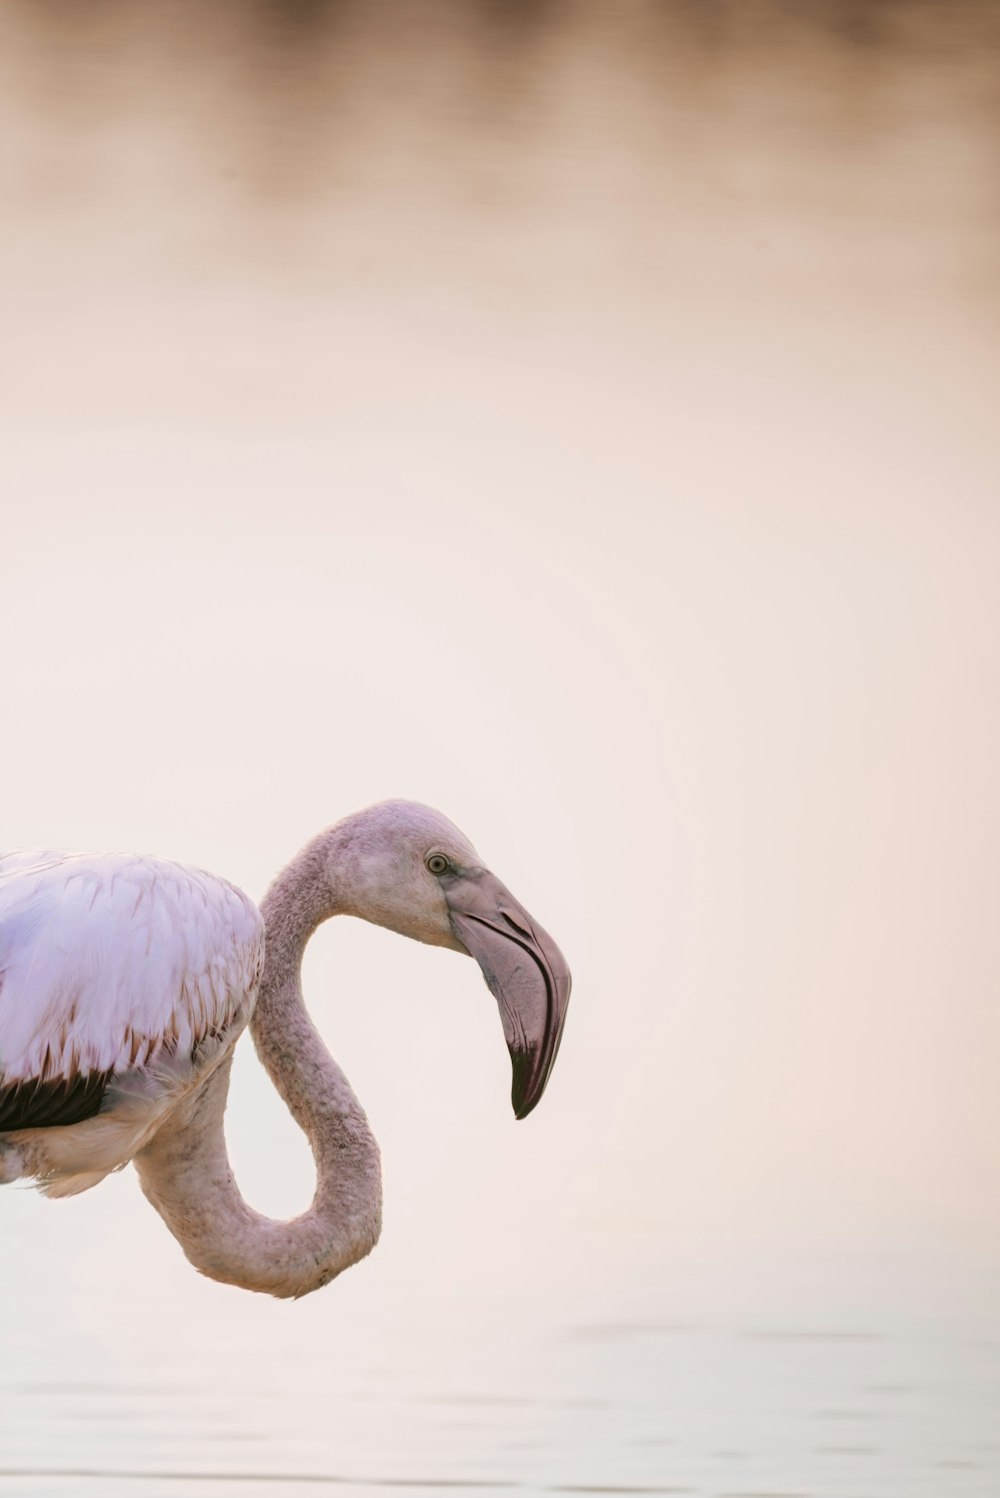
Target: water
pixel 122 1371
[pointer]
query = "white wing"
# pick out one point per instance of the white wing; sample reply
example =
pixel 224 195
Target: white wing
pixel 109 963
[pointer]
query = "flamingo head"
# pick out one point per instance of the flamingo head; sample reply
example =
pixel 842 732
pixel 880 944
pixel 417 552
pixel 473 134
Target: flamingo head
pixel 407 867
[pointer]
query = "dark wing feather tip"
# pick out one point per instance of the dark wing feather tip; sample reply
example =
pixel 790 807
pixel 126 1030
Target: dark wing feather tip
pixel 30 1103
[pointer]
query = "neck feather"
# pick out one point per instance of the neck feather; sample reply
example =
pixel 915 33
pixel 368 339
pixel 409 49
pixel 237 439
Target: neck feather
pixel 185 1170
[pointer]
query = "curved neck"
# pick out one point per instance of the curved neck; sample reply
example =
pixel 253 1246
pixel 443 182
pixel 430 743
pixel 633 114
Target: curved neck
pixel 185 1170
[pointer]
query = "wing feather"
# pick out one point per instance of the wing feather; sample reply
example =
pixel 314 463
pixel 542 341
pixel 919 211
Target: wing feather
pixel 109 963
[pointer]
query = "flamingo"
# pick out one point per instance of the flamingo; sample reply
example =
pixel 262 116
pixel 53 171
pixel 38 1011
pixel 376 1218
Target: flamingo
pixel 125 982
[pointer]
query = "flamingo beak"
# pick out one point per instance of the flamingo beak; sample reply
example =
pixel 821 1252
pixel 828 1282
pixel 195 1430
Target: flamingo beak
pixel 524 970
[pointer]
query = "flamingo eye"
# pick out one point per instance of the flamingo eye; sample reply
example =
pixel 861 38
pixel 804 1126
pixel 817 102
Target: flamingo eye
pixel 437 863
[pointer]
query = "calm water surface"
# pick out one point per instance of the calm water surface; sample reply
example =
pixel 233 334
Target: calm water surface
pixel 184 1387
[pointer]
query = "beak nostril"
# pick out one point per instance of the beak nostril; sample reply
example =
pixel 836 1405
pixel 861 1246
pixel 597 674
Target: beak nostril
pixel 521 930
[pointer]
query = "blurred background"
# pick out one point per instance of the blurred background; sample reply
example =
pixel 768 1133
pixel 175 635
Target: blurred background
pixel 581 417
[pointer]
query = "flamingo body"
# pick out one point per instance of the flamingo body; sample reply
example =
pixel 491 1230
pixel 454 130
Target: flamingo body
pixel 123 981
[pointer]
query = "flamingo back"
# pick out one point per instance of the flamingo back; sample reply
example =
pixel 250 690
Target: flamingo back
pixel 122 978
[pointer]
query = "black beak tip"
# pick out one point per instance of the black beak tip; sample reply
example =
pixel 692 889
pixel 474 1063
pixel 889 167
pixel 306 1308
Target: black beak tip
pixel 526 1087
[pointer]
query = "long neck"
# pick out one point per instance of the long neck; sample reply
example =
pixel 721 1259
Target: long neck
pixel 185 1170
